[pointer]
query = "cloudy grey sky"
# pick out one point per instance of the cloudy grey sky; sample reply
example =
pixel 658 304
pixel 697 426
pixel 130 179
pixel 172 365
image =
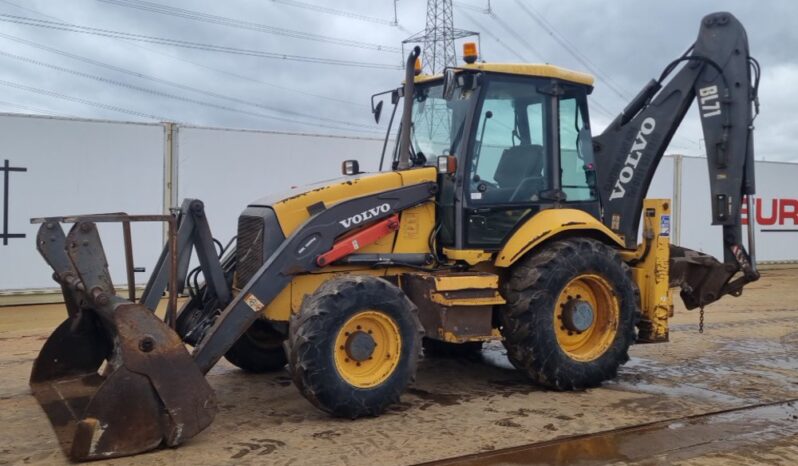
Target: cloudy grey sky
pixel 46 67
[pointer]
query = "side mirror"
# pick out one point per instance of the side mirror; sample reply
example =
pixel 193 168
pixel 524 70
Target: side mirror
pixel 449 83
pixel 447 164
pixel 350 167
pixel 377 111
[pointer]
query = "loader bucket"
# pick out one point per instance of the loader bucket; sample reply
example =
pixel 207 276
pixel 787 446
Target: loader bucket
pixel 113 379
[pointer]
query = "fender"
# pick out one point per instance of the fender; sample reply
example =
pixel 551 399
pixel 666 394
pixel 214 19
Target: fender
pixel 548 224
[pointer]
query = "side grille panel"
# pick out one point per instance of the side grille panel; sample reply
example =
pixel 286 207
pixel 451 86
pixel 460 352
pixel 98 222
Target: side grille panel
pixel 259 235
pixel 249 248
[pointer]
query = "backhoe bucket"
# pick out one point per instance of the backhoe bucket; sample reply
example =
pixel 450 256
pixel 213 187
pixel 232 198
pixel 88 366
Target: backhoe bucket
pixel 113 378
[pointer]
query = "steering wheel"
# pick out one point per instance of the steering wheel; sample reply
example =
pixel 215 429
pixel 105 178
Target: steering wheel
pixel 475 184
pixel 524 182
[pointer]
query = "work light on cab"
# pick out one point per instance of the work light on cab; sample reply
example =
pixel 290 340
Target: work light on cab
pixel 350 167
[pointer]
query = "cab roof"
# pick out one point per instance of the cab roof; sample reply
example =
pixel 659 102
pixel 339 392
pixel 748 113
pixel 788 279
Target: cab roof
pixel 520 69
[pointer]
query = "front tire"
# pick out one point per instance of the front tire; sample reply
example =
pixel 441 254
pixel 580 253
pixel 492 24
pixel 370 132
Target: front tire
pixel 570 314
pixel 354 346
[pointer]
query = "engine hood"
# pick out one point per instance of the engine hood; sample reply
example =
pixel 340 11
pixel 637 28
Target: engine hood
pixel 293 207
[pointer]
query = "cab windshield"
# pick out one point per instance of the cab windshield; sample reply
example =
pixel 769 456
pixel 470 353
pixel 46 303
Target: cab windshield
pixel 438 124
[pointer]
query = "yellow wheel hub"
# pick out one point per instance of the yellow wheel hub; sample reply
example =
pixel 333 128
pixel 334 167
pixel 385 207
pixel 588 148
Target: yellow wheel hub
pixel 586 317
pixel 367 349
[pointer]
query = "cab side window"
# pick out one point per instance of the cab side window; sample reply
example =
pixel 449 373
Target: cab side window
pixel 509 160
pixel 575 152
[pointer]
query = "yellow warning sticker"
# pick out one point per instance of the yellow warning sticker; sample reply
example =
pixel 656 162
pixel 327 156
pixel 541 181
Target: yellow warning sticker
pixel 253 302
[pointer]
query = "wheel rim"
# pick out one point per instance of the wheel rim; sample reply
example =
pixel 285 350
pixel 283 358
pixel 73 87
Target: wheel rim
pixel 367 349
pixel 586 317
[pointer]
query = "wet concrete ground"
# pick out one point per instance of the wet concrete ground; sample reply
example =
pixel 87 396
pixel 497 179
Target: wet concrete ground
pixel 747 357
pixel 663 442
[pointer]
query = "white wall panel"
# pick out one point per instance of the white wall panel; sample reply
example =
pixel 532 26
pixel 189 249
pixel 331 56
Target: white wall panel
pixel 228 169
pixel 74 167
pixel 84 166
pixel 662 185
pixel 777 219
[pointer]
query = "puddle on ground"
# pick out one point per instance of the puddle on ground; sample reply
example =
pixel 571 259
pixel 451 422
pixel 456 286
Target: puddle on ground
pixel 730 375
pixel 667 441
pixel 687 390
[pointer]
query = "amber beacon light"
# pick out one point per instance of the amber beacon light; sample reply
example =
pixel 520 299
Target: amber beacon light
pixel 470 52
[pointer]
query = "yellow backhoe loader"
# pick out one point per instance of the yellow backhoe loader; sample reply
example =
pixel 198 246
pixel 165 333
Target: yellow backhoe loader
pixel 498 216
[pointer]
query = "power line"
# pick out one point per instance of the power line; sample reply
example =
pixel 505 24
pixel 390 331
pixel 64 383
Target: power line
pixel 248 78
pixel 517 36
pixel 344 13
pixel 251 79
pixel 574 51
pixel 167 82
pixel 595 103
pixel 240 24
pixel 570 48
pixel 174 57
pixel 80 100
pixel 171 96
pixel 602 109
pixel 336 12
pixel 470 7
pixel 493 36
pixel 40 110
pixel 188 44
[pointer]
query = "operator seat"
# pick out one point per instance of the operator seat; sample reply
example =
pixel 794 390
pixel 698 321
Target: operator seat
pixel 517 165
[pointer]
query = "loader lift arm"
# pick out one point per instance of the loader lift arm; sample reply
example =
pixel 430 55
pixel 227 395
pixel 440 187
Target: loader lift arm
pixel 717 72
pixel 111 348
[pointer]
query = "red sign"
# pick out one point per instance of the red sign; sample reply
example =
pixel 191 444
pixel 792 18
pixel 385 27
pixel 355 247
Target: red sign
pixel 773 212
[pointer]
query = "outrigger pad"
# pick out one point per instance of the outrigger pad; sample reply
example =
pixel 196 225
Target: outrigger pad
pixel 150 391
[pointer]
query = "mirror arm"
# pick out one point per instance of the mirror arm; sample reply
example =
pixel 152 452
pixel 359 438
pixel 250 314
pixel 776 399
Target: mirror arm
pixel 388 133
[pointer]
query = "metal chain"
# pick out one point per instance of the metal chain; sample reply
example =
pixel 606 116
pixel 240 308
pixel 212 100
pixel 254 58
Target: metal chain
pixel 701 320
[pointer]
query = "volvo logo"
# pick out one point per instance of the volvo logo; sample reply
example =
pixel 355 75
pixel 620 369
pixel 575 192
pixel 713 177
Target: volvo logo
pixel 357 219
pixel 632 159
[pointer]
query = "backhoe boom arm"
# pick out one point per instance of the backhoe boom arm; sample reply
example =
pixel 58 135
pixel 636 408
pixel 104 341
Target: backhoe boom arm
pixel 716 71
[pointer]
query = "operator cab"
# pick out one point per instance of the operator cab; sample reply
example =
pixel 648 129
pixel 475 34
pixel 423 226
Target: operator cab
pixel 520 135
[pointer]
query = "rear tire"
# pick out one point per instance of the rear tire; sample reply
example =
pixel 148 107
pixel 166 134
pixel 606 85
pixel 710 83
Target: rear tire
pixel 259 349
pixel 560 278
pixel 354 346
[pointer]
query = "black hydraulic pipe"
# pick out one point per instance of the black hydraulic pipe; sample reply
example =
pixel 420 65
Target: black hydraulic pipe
pixel 641 100
pixel 407 109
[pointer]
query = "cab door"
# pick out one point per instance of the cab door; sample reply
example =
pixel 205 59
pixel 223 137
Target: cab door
pixel 508 174
pixel 528 154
